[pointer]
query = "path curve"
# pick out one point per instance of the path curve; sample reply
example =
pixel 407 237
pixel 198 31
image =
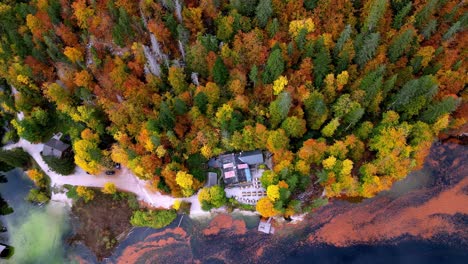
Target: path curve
pixel 124 180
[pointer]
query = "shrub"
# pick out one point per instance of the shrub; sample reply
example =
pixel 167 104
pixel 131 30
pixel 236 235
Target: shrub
pixel 16 157
pixel 64 166
pixel 72 194
pixel 109 188
pixel 85 193
pixel 154 219
pixel 38 196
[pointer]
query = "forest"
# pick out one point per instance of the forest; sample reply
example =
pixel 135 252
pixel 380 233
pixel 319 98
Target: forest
pixel 348 96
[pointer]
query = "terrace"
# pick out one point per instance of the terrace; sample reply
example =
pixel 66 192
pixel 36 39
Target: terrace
pixel 248 194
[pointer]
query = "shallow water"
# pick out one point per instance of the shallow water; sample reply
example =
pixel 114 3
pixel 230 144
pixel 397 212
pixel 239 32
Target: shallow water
pixel 36 233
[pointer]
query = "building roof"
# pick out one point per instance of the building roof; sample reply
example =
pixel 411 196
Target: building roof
pixel 57 144
pixel 235 166
pixel 212 179
pixel 251 157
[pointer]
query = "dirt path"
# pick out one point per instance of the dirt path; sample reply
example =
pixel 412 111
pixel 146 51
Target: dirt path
pixel 123 179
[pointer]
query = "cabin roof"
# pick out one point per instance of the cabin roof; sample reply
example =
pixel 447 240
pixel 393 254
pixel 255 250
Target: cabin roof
pixel 251 157
pixel 57 144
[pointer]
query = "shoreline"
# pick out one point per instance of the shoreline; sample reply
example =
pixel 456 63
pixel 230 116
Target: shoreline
pixel 124 180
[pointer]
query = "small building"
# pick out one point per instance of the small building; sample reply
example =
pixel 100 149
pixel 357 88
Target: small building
pixel 212 179
pixel 55 147
pixel 265 226
pixel 237 167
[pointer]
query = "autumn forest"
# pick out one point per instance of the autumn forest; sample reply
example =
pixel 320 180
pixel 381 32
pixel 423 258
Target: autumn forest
pixel 348 96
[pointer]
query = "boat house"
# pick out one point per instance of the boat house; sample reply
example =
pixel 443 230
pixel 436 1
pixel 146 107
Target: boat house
pixel 265 226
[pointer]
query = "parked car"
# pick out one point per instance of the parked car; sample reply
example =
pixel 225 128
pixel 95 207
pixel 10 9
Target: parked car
pixel 110 172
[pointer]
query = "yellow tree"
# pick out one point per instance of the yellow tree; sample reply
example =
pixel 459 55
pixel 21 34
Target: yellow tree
pixel 185 181
pixel 83 78
pixel 37 177
pixel 82 12
pixel 85 193
pixel 176 204
pixel 279 84
pixel 87 153
pixel 347 167
pixel 296 26
pixel 176 79
pixel 73 54
pixel 342 80
pixel 109 188
pixel 266 208
pixel 329 163
pixel 204 195
pixel 273 192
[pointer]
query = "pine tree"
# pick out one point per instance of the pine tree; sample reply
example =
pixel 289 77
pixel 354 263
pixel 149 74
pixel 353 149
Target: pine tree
pixel 415 95
pixel 371 84
pixel 389 85
pixel 220 72
pixel 367 50
pixel 351 118
pixel 279 109
pixel 423 15
pixel 310 4
pixel 201 101
pixel 344 36
pixel 376 12
pixel 429 29
pixel 434 111
pixel 253 75
pixel 321 61
pixel 399 44
pixel 245 7
pixel 16 157
pixel 316 110
pixel 457 26
pixel 274 66
pixel 264 11
pixel 180 107
pixel 399 18
pixel 166 118
pixel 273 27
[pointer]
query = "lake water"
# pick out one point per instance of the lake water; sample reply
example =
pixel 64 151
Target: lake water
pixel 37 233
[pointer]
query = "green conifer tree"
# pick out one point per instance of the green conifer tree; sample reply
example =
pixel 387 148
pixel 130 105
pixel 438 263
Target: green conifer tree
pixel 264 11
pixel 434 111
pixel 367 50
pixel 399 18
pixel 220 72
pixel 274 66
pixel 399 44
